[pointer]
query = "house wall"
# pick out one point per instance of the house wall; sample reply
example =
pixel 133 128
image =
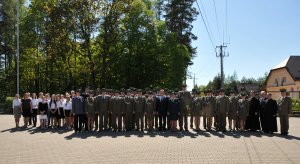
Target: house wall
pixel 293 87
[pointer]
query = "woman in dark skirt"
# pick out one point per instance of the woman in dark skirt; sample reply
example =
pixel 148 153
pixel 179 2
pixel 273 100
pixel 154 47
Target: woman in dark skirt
pixel 67 111
pixel 35 103
pixel 43 108
pixel 26 107
pixel 270 115
pixel 243 111
pixel 53 111
pixel 173 110
pixel 60 105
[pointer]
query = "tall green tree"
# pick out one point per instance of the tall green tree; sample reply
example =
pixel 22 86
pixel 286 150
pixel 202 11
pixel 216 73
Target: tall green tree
pixel 179 16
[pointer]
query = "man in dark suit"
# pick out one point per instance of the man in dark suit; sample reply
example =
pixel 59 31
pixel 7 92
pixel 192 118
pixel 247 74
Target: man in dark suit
pixel 161 108
pixel 78 111
pixel 263 101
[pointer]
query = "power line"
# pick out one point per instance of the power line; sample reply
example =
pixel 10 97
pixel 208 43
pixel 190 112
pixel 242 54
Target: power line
pixel 226 20
pixel 212 43
pixel 217 20
pixel 209 28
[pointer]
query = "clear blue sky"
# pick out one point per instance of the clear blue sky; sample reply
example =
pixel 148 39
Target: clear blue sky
pixel 262 34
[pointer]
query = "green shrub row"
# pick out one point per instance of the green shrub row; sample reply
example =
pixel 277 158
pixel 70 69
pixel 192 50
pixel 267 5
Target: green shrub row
pixel 296 104
pixel 8 104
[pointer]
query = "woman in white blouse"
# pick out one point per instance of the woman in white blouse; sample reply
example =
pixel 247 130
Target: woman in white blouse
pixel 60 105
pixel 53 111
pixel 67 111
pixel 16 109
pixel 35 103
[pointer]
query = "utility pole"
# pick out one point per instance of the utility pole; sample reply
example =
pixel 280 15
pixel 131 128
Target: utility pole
pixel 221 55
pixel 194 81
pixel 18 54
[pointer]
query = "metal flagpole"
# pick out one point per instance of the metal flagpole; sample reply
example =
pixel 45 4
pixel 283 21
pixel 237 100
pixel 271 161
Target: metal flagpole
pixel 18 69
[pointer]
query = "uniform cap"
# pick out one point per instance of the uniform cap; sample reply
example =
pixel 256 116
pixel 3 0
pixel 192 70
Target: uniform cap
pixel 282 90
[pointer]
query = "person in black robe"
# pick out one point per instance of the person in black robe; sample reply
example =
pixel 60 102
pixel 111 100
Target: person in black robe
pixel 263 100
pixel 252 122
pixel 270 115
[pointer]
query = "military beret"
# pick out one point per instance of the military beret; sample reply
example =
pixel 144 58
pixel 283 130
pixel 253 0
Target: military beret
pixel 91 92
pixel 173 93
pixel 139 90
pixel 221 90
pixel 217 91
pixel 243 94
pixel 232 91
pixel 208 91
pixel 183 85
pixel 282 90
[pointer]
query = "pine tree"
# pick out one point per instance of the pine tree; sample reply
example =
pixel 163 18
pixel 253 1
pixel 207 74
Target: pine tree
pixel 180 15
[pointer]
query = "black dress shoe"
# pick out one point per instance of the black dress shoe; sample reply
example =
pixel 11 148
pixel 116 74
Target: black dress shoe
pixel 284 134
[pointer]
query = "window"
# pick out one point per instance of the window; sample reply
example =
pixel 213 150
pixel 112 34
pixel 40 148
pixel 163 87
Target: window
pixel 275 83
pixel 283 81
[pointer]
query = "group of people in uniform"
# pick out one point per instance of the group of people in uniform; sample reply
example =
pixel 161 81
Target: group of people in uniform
pixel 135 109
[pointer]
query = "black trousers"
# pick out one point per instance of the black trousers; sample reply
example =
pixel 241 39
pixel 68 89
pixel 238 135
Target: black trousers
pixel 34 116
pixel 78 121
pixel 162 117
pixel 85 122
pixel 156 121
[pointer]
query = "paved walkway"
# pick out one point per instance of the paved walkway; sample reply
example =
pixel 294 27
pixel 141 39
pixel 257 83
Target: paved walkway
pixel 59 146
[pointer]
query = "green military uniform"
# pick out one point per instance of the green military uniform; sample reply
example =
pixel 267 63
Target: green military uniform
pixel 197 109
pixel 128 106
pixel 139 105
pixel 222 108
pixel 233 108
pixel 192 112
pixel 102 104
pixel 150 109
pixel 185 99
pixel 90 106
pixel 116 110
pixel 209 104
pixel 243 110
pixel 284 110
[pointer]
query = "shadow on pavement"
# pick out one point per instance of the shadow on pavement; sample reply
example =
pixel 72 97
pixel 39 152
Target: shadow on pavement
pixel 154 133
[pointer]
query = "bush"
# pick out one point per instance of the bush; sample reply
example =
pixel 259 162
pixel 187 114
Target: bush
pixel 296 105
pixel 8 104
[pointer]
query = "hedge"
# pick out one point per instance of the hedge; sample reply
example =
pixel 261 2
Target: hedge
pixel 8 104
pixel 296 105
